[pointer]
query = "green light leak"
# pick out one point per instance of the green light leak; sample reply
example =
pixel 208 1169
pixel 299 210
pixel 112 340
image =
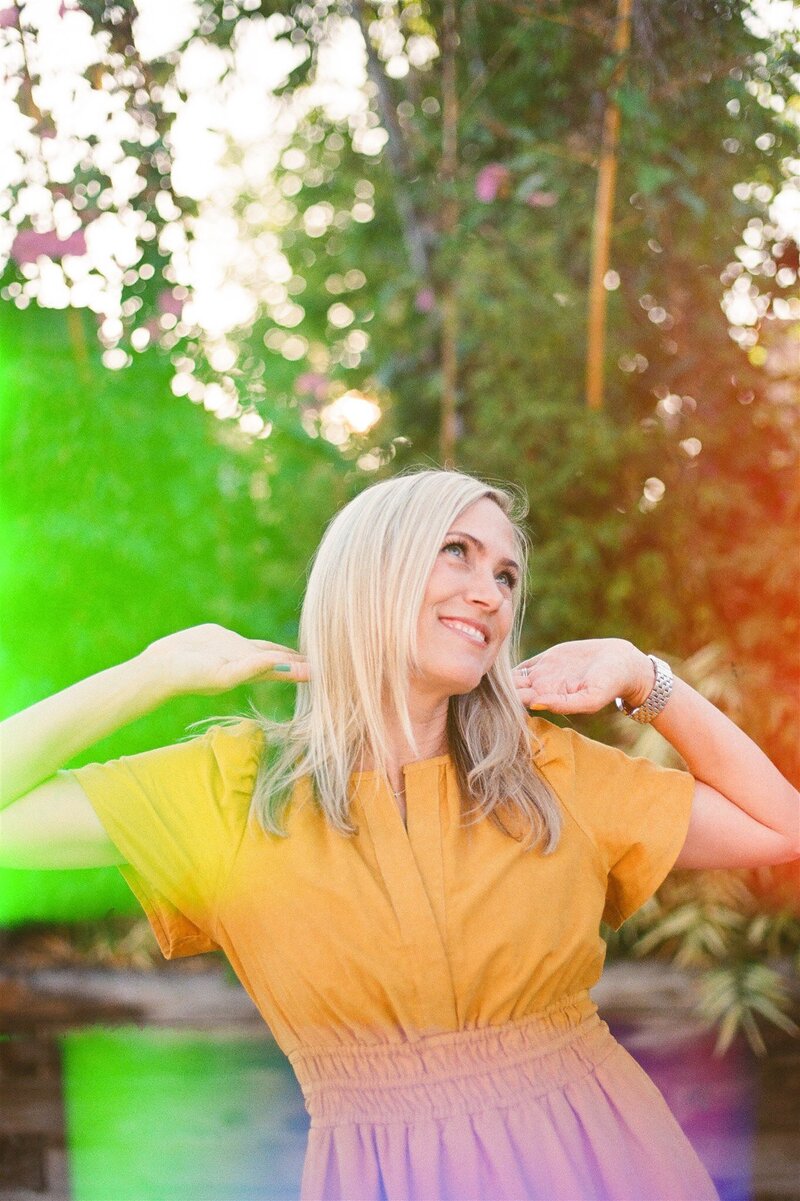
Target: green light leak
pixel 63 896
pixel 36 371
pixel 180 1116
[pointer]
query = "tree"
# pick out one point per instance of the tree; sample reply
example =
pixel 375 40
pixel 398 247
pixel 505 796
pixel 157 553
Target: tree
pixel 401 216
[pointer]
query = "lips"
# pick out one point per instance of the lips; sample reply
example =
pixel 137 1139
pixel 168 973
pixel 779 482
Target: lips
pixel 475 631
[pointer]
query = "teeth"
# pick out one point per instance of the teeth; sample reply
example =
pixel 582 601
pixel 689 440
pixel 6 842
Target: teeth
pixel 474 634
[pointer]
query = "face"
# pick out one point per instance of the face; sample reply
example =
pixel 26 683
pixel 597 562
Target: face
pixel 467 610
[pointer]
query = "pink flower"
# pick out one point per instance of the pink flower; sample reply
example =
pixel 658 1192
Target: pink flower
pixel 425 300
pixel 29 244
pixel 492 181
pixel 541 200
pixel 8 17
pixel 311 383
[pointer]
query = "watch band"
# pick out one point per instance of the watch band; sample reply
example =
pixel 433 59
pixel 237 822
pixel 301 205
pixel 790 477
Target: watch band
pixel 657 697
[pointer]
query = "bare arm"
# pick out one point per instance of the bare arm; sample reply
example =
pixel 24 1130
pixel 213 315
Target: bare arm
pixel 38 741
pixel 744 812
pixel 46 819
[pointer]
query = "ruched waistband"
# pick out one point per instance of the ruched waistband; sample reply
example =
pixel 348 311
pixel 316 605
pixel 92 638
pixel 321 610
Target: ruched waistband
pixel 461 1071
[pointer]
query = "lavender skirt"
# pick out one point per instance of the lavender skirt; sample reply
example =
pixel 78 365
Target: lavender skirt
pixel 550 1108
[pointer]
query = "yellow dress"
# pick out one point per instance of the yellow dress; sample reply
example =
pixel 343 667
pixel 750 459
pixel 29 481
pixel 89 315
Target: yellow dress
pixel 429 984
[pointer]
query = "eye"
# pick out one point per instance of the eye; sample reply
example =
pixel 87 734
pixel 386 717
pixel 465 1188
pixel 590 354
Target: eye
pixel 510 578
pixel 459 546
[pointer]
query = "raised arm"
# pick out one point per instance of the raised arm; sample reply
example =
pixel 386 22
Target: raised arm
pixel 744 812
pixel 45 818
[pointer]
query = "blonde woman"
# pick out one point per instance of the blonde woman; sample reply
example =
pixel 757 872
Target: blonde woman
pixel 408 877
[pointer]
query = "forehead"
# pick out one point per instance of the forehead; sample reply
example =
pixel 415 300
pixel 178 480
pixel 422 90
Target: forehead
pixel 486 521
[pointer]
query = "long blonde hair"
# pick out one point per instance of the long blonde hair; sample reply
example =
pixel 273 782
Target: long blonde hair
pixel 358 630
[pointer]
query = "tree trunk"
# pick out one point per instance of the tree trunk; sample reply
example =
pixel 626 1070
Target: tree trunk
pixel 603 214
pixel 449 167
pixel 399 157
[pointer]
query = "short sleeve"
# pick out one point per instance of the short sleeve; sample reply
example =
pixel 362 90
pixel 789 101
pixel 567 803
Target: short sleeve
pixel 177 815
pixel 634 811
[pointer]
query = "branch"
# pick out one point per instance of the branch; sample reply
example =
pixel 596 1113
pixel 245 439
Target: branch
pixel 501 130
pixel 400 159
pixel 476 67
pixel 532 11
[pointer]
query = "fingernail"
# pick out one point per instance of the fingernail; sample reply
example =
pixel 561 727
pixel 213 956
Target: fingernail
pixel 536 706
pixel 281 667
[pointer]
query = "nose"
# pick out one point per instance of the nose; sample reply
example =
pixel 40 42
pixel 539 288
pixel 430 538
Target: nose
pixel 484 590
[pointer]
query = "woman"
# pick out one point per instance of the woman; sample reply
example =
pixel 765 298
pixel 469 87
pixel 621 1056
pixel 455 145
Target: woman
pixel 409 877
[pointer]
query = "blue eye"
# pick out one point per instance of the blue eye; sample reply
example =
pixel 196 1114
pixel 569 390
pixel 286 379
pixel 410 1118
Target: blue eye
pixel 508 578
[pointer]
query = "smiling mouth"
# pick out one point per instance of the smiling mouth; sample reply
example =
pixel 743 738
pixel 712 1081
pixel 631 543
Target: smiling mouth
pixel 459 627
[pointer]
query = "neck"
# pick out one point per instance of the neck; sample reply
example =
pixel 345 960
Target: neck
pixel 429 724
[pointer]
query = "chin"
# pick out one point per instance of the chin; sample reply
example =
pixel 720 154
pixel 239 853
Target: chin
pixel 464 684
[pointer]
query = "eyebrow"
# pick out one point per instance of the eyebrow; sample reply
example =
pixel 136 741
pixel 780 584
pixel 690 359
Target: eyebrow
pixel 476 542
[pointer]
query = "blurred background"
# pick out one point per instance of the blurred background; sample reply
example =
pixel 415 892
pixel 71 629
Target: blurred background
pixel 256 256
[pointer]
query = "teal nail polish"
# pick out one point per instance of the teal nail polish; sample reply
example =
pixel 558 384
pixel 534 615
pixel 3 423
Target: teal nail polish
pixel 281 667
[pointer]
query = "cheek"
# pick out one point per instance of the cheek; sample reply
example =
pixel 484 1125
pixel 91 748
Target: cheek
pixel 507 625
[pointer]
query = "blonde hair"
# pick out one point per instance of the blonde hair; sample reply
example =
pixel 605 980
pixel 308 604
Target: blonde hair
pixel 358 630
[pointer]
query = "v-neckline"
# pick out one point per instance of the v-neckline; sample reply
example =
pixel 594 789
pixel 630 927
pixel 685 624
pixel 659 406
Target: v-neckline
pixel 358 778
pixel 410 859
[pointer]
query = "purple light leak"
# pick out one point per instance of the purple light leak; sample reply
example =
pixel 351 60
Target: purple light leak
pixel 712 1097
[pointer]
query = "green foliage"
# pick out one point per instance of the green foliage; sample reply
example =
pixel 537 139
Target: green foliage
pixel 723 925
pixel 130 513
pixel 670 518
pixel 736 996
pixel 714 924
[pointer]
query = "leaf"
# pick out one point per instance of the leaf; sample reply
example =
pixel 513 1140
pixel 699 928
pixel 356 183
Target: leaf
pixel 525 161
pixel 530 183
pixel 775 1015
pixel 753 1033
pixel 650 177
pixel 727 1032
pixel 691 200
pixel 634 104
pixel 671 926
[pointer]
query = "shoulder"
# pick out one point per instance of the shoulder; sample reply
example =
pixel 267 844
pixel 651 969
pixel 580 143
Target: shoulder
pixel 605 786
pixel 585 771
pixel 220 763
pixel 553 749
pixel 557 749
pixel 233 748
pixel 235 735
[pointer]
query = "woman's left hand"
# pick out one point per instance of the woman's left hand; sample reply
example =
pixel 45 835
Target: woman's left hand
pixel 584 676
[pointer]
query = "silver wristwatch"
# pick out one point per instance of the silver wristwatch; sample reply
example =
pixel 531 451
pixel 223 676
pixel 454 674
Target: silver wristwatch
pixel 657 698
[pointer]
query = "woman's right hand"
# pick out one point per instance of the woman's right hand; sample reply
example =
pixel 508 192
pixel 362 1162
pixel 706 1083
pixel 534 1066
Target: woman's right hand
pixel 207 659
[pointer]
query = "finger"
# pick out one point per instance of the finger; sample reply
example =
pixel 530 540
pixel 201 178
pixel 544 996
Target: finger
pixel 299 673
pixel 528 696
pixel 293 670
pixel 555 697
pixel 523 675
pixel 279 654
pixel 532 659
pixel 277 647
pixel 567 702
